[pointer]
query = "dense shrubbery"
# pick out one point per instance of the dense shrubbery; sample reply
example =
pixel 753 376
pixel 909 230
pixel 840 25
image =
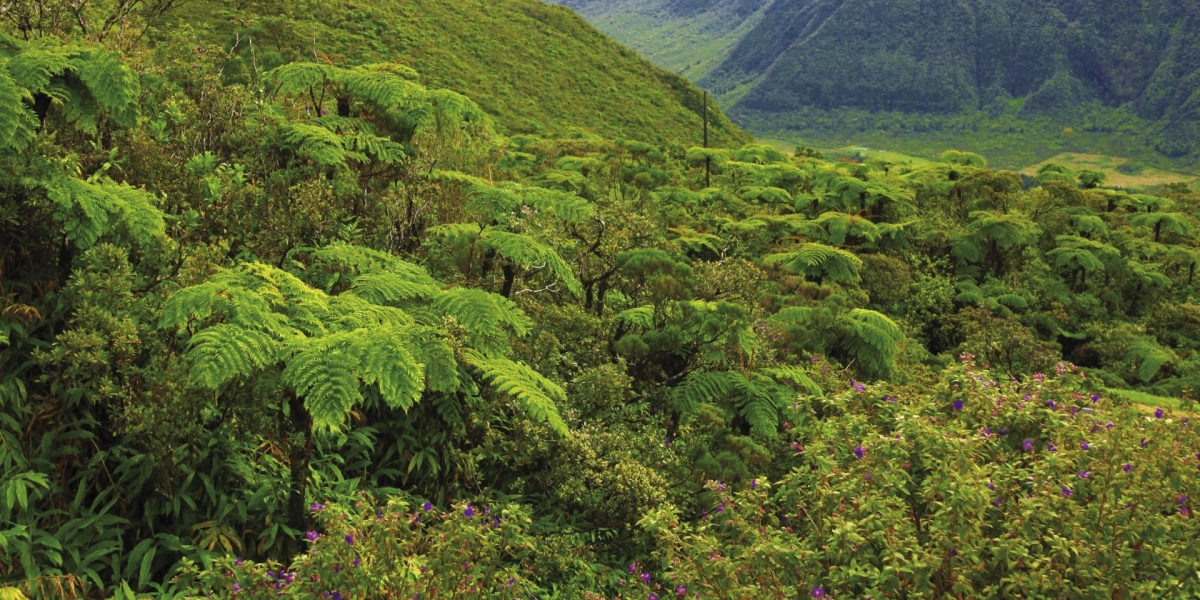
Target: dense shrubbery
pixel 225 301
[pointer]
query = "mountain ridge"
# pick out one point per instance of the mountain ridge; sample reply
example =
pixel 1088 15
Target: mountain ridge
pixel 1055 60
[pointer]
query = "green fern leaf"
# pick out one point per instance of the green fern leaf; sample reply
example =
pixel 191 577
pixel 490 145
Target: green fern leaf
pixel 536 394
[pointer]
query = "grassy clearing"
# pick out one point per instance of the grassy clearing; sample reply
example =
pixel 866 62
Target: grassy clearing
pixel 1121 173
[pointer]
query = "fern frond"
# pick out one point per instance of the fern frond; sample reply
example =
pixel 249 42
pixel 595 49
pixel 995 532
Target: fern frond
pixel 325 374
pixel 17 122
pixel 641 316
pixel 757 404
pixel 225 352
pixel 385 360
pixel 489 318
pixel 388 288
pixel 793 377
pixel 528 253
pixel 701 387
pixel 536 394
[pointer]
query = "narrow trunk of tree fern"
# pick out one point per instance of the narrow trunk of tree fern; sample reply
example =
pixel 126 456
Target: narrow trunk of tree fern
pixel 298 458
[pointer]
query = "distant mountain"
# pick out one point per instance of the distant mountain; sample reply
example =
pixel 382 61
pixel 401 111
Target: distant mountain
pixel 1037 59
pixel 534 67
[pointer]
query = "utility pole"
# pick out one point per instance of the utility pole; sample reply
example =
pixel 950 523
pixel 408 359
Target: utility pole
pixel 707 160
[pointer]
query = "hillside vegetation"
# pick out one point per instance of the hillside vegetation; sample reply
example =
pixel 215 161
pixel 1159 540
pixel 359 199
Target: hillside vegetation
pixel 534 67
pixel 319 329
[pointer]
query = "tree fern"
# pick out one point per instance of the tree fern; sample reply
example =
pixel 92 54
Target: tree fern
pixel 873 339
pixel 88 210
pixel 536 394
pixel 820 261
pixel 1147 359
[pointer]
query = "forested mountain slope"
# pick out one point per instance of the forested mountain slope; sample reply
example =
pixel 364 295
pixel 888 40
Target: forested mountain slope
pixel 535 68
pixel 1045 59
pixel 690 37
pixel 312 330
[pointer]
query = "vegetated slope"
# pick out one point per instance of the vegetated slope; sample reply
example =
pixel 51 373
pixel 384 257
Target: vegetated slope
pixel 1062 61
pixel 534 67
pixel 690 37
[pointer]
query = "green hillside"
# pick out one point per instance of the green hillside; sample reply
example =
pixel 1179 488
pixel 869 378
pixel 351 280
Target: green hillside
pixel 536 68
pixel 689 38
pixel 290 322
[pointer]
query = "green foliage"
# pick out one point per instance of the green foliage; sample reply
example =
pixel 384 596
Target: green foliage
pixel 821 262
pixel 221 315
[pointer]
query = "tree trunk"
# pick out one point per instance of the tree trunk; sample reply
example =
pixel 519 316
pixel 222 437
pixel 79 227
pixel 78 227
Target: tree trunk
pixel 343 107
pixel 510 275
pixel 1158 232
pixel 299 456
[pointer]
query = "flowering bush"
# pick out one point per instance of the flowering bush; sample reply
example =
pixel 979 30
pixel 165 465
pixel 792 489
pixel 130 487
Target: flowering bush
pixel 400 550
pixel 983 488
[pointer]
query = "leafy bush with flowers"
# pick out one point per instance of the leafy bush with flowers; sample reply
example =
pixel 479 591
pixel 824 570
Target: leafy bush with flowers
pixel 983 488
pixel 403 549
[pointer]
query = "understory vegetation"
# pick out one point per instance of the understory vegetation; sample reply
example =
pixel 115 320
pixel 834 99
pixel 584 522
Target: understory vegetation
pixel 320 331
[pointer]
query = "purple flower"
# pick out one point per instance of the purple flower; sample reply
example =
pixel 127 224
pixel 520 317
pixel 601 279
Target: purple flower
pixel 1084 446
pixel 1067 493
pixel 1183 512
pixel 469 512
pixel 238 562
pixel 1127 468
pixel 357 561
pixel 1109 425
pixel 996 502
pixel 317 507
pixel 270 574
pixel 987 432
pixel 721 507
pixel 680 591
pixel 312 536
pixel 1182 499
pixel 653 596
pixel 237 587
pixel 337 596
pixel 1095 398
pixel 1158 413
pixel 511 580
pixel 646 578
pixel 1144 442
pixel 1051 404
pixel 1039 377
pixel 754 484
pixel 1027 445
pixel 860 452
pixel 428 506
pixel 958 405
pixel 349 539
pixel 632 568
pixel 818 592
pixel 1052 447
pixel 991 486
pixel 1084 474
pixel 1003 432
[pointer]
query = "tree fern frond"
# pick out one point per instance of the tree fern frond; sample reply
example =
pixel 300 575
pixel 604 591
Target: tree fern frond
pixel 325 373
pixel 488 317
pixel 536 394
pixel 388 288
pixel 641 316
pixel 224 352
pixel 528 253
pixel 17 122
pixel 1148 359
pixel 701 387
pixel 793 377
pixel 757 404
pixel 318 144
pixel 385 360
